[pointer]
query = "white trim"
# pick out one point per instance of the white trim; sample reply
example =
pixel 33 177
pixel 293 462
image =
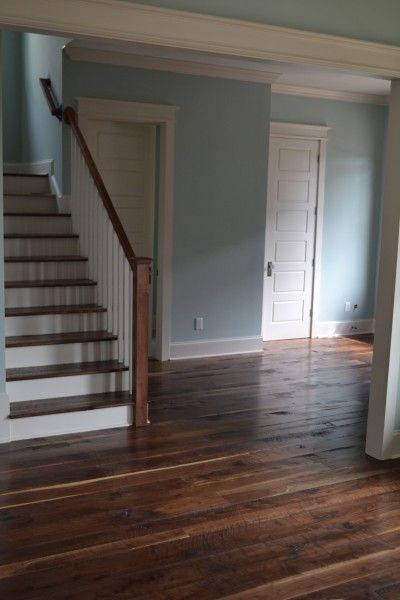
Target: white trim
pixel 70 422
pixel 328 329
pixel 163 115
pixel 218 347
pixel 299 130
pixel 5 435
pixel 312 92
pixel 41 167
pixel 129 22
pixel 319 133
pixel 186 67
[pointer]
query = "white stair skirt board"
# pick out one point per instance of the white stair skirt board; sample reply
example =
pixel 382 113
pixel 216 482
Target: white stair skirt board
pixel 45 224
pixel 337 328
pixel 57 323
pixel 73 422
pixel 58 354
pixel 41 247
pixel 4 420
pixel 50 296
pixel 218 347
pixel 58 387
pixel 34 271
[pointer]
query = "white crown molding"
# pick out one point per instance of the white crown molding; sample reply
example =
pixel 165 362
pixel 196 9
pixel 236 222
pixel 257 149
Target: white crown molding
pixel 112 57
pixel 312 92
pixel 298 130
pixel 126 111
pixel 122 21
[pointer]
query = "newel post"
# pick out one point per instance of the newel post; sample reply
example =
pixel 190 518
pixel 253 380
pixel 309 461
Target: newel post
pixel 141 289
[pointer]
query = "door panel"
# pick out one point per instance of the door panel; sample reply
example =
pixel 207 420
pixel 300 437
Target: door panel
pixel 290 238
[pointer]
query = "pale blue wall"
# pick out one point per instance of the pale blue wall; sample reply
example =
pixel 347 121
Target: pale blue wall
pixel 374 20
pixel 42 133
pixel 219 213
pixel 12 100
pixel 352 198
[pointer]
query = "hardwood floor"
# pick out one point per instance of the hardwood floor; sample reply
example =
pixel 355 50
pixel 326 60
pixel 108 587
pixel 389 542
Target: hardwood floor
pixel 251 483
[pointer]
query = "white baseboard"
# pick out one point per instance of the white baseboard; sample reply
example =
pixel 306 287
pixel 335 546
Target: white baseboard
pixel 41 167
pixel 219 347
pixel 337 328
pixel 4 421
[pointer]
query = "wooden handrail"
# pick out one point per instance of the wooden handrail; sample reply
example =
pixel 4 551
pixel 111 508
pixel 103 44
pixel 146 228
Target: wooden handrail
pixel 140 266
pixel 70 117
pixel 55 108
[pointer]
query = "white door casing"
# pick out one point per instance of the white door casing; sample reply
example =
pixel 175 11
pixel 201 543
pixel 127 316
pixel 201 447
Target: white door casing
pixel 292 248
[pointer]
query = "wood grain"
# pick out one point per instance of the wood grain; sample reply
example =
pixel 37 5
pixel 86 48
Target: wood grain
pixel 251 483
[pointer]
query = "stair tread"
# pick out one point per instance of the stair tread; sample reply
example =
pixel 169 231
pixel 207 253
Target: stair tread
pixel 49 339
pixel 38 236
pixel 47 258
pixel 25 175
pixel 28 311
pixel 30 194
pixel 64 370
pixel 51 406
pixel 36 214
pixel 48 283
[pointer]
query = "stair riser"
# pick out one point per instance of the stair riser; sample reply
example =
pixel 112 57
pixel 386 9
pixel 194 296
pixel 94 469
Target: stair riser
pixel 41 247
pixel 39 389
pixel 43 324
pixel 58 354
pixel 26 185
pixel 44 225
pixel 52 296
pixel 73 422
pixel 32 271
pixel 26 204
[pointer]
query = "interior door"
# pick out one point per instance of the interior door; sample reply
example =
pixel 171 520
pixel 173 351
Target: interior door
pixel 290 238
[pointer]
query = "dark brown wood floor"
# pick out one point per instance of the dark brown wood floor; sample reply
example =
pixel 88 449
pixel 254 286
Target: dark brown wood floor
pixel 251 483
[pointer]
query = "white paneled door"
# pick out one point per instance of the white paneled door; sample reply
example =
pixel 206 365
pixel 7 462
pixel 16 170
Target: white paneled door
pixel 290 238
pixel 125 156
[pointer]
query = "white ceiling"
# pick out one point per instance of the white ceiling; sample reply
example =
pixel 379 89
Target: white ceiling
pixel 290 74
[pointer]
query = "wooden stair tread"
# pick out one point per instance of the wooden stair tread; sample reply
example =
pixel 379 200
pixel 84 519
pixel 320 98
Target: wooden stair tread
pixel 47 258
pixel 30 194
pixel 51 406
pixel 25 175
pixel 36 214
pixel 28 311
pixel 50 339
pixel 49 283
pixel 38 236
pixel 65 370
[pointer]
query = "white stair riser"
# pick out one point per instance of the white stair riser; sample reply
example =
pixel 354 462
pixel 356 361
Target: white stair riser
pixel 67 323
pixel 73 422
pixel 50 296
pixel 41 247
pixel 57 387
pixel 28 204
pixel 25 225
pixel 35 356
pixel 34 271
pixel 26 185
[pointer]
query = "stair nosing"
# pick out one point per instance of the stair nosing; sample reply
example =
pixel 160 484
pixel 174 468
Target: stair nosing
pixel 26 175
pixel 47 258
pixel 56 310
pixel 56 339
pixel 38 236
pixel 56 371
pixel 30 194
pixel 43 283
pixel 36 214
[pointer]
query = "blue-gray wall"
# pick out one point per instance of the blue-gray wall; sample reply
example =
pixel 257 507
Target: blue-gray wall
pixel 220 183
pixel 12 98
pixel 352 198
pixel 4 404
pixel 31 134
pixel 373 20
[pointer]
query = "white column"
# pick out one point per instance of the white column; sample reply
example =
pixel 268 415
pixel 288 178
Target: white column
pixel 383 439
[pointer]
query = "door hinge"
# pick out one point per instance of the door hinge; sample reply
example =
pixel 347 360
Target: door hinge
pixel 313 262
pixel 310 312
pixel 316 210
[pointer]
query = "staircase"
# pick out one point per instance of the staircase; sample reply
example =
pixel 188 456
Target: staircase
pixel 63 372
